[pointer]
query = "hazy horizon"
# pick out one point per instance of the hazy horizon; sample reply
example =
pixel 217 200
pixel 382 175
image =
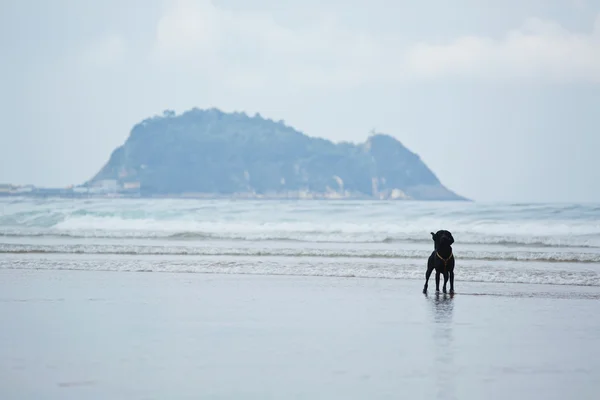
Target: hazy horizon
pixel 499 102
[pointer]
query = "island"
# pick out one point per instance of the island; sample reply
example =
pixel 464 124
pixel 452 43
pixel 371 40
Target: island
pixel 208 153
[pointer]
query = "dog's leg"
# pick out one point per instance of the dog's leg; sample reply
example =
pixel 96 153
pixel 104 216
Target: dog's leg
pixel 428 274
pixel 451 281
pixel 445 280
pixel 437 281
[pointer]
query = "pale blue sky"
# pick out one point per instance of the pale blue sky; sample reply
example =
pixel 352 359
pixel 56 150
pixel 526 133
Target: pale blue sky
pixel 500 101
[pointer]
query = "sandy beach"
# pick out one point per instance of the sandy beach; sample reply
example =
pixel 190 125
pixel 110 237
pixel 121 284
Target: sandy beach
pixel 127 335
pixel 171 299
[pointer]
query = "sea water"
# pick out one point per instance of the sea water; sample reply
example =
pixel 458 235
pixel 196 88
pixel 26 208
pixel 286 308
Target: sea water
pixel 553 244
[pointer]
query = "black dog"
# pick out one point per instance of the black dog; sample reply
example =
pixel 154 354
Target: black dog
pixel 442 260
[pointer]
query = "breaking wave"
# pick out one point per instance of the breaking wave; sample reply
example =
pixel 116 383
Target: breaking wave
pixel 332 235
pixel 567 225
pixel 521 256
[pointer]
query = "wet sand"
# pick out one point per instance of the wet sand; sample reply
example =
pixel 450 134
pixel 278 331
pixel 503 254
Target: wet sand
pixel 121 335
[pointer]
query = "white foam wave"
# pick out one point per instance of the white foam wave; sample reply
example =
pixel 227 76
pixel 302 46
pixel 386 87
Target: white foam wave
pixel 243 228
pixel 212 231
pixel 325 269
pixel 520 256
pixel 346 222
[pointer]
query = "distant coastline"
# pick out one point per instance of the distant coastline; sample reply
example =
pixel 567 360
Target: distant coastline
pixel 29 191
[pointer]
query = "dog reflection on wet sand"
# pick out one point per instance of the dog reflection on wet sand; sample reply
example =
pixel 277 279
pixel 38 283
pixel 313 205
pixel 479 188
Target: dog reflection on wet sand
pixel 446 373
pixel 443 306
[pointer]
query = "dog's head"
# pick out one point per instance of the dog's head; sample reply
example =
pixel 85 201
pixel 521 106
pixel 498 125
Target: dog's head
pixel 442 239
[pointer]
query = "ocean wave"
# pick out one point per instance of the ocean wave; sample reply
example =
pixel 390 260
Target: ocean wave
pixel 409 271
pixel 532 225
pixel 308 237
pixel 520 256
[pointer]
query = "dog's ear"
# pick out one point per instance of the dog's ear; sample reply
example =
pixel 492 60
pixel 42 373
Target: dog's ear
pixel 451 238
pixel 433 236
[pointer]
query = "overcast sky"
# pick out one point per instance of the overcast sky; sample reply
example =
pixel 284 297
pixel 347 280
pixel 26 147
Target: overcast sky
pixel 502 102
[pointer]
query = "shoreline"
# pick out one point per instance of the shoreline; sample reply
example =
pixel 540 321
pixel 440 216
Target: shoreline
pixel 474 288
pixel 581 275
pixel 313 197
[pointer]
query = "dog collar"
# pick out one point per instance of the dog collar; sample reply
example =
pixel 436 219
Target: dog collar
pixel 445 260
